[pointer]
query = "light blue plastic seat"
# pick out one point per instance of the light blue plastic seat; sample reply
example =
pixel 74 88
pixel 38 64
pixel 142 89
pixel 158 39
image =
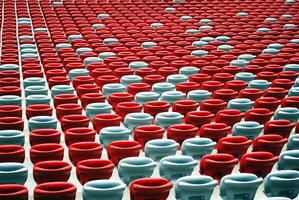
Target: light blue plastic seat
pixel 94 109
pixel 290 26
pixel 242 14
pixel 270 51
pixel 286 16
pixel 27 46
pixel 263 30
pixel 37 99
pixel 163 87
pixel 296 41
pixel 12 137
pixel 197 147
pixel 143 97
pixel 242 104
pixel 103 15
pixel 239 186
pixel 259 84
pixel 199 95
pixel 186 18
pixel 90 60
pixel 199 53
pixel 42 122
pixel 25 37
pixel 172 96
pixel 103 189
pixel 249 129
pixel 36 90
pixel 293 142
pixel 294 91
pixel 148 44
pixel 160 148
pixel 191 31
pixel 132 120
pixel 61 89
pixel 78 72
pixel 239 63
pixel 275 46
pixel 189 70
pixel 170 9
pixel 289 160
pixel 137 65
pixel 225 47
pixel 73 37
pixel 13 173
pixel 291 67
pixel 96 26
pixel 207 39
pixel 110 40
pixel 133 168
pixel 176 78
pixel 10 100
pixel 270 19
pixel 205 27
pixel 56 3
pixel 290 1
pixel 24 22
pixel 28 50
pixel 205 21
pixel 247 57
pixel 34 81
pixel 199 43
pixel 62 45
pixel 38 30
pixel 195 187
pixel 108 54
pixel 283 183
pixel 288 113
pixel 245 76
pixel 113 133
pixel 176 166
pixel 223 38
pixel 9 67
pixel 166 119
pixel 29 55
pixel 111 88
pixel 128 79
pixel 156 25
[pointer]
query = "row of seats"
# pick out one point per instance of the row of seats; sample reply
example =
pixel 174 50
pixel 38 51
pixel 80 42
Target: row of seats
pixel 234 186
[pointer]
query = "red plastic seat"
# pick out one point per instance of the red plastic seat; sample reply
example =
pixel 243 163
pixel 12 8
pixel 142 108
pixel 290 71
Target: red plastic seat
pixel 94 169
pixel 270 143
pixel 217 165
pixel 180 132
pixel 150 188
pixel 13 191
pixel 48 191
pixel 215 131
pixel 143 134
pixel 235 145
pixel 280 127
pixel 258 163
pixel 118 150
